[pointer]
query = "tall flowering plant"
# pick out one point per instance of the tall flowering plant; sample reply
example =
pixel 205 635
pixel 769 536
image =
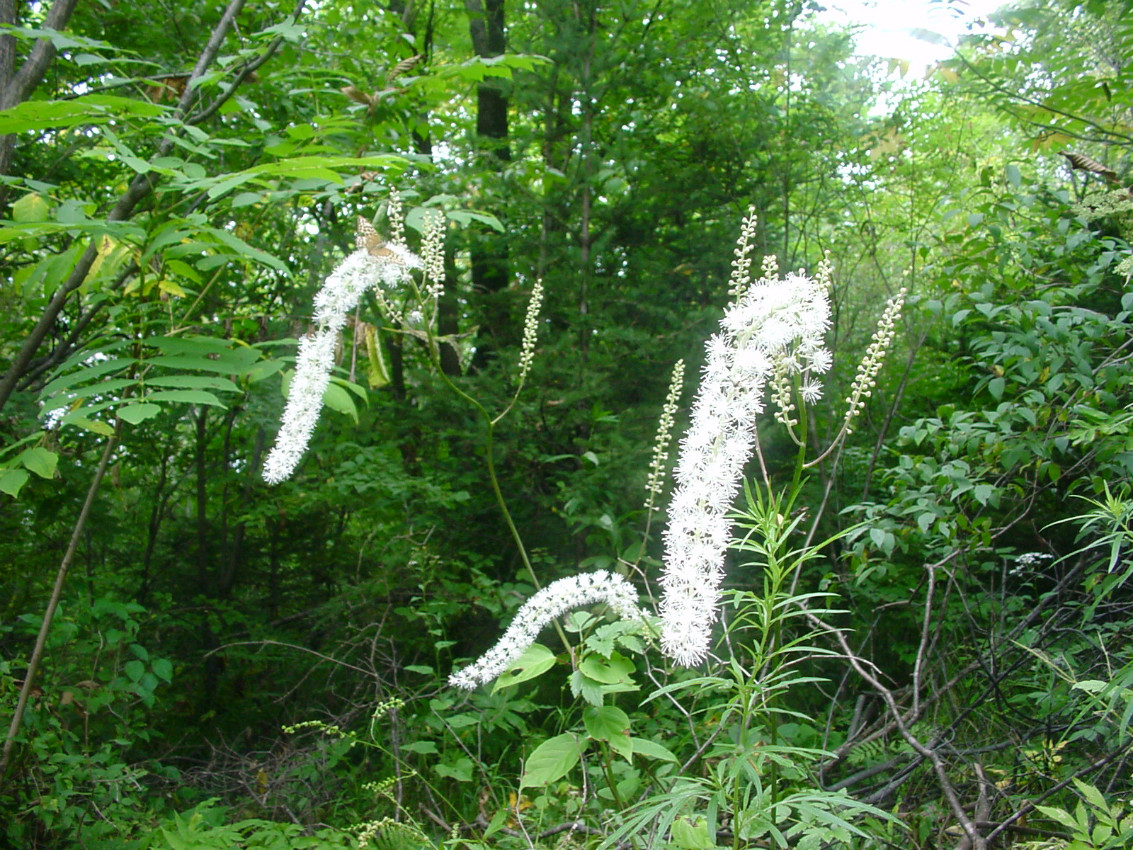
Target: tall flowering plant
pixel 770 342
pixel 769 352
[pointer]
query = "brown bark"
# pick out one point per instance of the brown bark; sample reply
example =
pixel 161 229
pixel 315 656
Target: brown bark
pixel 17 85
pixel 490 261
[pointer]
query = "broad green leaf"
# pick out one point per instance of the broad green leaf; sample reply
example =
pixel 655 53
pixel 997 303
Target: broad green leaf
pixel 163 669
pixel 617 668
pixel 583 686
pixel 11 480
pixel 610 724
pixel 134 669
pixel 692 836
pixel 536 661
pixel 136 413
pixel 41 461
pixel 92 425
pixel 337 398
pixel 460 770
pixel 651 750
pixel 95 109
pixel 551 761
pixel 31 207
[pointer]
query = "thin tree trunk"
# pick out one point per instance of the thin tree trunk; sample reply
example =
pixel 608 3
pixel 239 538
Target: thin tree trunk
pixel 53 605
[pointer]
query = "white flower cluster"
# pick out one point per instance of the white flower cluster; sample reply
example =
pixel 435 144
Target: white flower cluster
pixel 1028 562
pixel 371 264
pixel 552 601
pixel 658 466
pixel 775 325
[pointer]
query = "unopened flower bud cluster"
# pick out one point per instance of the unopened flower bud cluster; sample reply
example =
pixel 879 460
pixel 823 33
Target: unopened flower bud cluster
pixel 741 265
pixel 433 250
pixel 866 379
pixel 655 484
pixel 530 330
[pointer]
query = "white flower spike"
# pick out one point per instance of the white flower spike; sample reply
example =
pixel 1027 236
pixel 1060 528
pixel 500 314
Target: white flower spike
pixel 774 326
pixel 374 263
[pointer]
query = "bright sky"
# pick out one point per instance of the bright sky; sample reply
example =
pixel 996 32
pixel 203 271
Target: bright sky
pixel 891 26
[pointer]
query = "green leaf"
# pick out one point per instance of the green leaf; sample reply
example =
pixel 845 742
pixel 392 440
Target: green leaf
pixel 100 109
pixel 163 669
pixel 551 761
pixel 41 461
pixel 134 669
pixel 610 724
pixel 616 669
pixel 187 396
pixel 31 207
pixel 651 750
pixel 11 480
pixel 92 425
pixel 224 363
pixel 460 770
pixel 338 399
pixel 583 686
pixel 137 413
pixel 536 661
pixel 692 836
pixel 195 382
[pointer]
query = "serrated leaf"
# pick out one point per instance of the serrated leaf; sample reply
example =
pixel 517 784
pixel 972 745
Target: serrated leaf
pixel 536 661
pixel 583 686
pixel 551 761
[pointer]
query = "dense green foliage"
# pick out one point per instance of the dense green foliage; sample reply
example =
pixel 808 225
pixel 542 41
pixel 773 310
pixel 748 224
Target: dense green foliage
pixel 927 642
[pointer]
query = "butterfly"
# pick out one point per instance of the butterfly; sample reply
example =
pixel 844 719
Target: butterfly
pixel 369 240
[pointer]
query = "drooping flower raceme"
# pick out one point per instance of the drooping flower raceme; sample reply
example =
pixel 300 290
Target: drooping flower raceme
pixel 775 326
pixel 552 601
pixel 374 263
